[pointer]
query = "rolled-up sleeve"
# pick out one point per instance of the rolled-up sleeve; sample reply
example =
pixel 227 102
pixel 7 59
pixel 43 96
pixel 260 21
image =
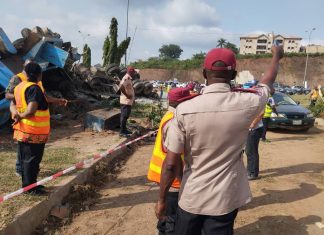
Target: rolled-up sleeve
pixel 175 139
pixel 263 95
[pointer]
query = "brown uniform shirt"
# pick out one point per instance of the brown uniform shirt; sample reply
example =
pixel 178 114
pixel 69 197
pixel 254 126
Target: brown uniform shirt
pixel 212 130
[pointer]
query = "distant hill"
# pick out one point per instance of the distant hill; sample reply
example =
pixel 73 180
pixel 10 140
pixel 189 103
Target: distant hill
pixel 291 70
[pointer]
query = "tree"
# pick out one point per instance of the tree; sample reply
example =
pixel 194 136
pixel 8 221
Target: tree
pixel 170 51
pixel 199 56
pixel 87 56
pixel 221 42
pixel 112 53
pixel 106 51
pixel 232 46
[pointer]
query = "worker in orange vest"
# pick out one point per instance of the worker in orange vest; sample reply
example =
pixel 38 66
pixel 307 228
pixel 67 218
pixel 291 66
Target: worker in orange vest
pixel 15 81
pixel 31 126
pixel 175 97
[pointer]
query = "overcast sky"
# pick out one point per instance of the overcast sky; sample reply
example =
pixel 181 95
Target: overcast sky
pixel 195 25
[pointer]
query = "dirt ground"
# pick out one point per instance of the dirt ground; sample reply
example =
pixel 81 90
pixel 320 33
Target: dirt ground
pixel 288 199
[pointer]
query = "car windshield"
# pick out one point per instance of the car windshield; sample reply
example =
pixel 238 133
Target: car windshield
pixel 282 99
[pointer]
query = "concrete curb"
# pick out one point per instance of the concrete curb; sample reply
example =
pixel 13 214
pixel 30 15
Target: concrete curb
pixel 29 220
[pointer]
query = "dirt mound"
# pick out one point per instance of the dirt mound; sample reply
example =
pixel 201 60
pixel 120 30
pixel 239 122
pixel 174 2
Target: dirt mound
pixel 291 71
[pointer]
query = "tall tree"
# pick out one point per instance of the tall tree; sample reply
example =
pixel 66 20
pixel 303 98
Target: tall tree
pixel 87 56
pixel 232 46
pixel 170 51
pixel 221 42
pixel 112 53
pixel 105 49
pixel 199 56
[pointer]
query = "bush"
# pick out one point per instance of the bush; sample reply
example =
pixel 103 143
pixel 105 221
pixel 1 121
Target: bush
pixel 318 109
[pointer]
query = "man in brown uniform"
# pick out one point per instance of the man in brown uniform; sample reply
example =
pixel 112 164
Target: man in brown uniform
pixel 127 98
pixel 211 130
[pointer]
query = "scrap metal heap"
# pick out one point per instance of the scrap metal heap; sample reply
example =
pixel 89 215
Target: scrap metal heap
pixel 63 74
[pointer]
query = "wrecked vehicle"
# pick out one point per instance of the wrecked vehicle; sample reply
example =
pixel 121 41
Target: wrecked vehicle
pixel 63 74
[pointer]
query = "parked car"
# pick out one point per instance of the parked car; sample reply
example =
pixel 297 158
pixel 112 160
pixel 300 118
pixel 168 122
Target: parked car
pixel 288 90
pixel 298 89
pixel 292 116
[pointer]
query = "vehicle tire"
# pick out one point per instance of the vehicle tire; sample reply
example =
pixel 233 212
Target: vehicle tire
pixel 137 76
pixel 148 88
pixel 138 88
pixel 122 73
pixel 112 69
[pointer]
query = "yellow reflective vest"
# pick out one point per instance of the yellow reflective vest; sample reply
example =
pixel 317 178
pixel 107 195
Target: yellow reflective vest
pixel 159 154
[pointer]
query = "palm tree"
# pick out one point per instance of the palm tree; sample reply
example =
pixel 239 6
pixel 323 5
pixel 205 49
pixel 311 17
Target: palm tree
pixel 221 42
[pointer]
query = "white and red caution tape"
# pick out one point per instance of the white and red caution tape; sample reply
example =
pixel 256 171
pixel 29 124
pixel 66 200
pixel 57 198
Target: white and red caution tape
pixel 74 167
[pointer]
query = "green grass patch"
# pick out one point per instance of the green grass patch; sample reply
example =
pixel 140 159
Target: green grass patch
pixel 53 161
pixel 302 99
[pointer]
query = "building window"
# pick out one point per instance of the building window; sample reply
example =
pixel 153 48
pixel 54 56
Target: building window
pixel 261 47
pixel 293 41
pixel 289 41
pixel 279 41
pixel 260 52
pixel 292 48
pixel 262 41
pixel 249 46
pixel 288 47
pixel 269 49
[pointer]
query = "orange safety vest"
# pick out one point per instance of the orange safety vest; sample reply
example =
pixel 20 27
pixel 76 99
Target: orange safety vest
pixel 23 78
pixel 39 124
pixel 159 154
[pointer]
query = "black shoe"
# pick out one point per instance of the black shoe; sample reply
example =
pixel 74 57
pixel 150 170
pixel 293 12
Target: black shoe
pixel 37 191
pixel 125 133
pixel 128 132
pixel 252 177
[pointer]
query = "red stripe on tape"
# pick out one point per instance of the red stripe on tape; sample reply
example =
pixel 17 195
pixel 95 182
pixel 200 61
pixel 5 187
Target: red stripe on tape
pixel 71 168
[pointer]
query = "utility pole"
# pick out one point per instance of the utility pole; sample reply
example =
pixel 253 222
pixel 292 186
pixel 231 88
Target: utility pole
pixel 126 30
pixel 307 53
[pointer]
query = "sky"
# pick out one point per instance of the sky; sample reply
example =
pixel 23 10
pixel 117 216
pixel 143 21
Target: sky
pixel 194 25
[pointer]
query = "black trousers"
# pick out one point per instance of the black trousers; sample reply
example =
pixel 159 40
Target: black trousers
pixel 125 111
pixel 192 224
pixel 167 226
pixel 30 156
pixel 252 151
pixel 265 127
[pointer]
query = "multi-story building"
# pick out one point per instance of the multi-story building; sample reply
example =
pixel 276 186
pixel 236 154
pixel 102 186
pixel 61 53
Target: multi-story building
pixel 261 43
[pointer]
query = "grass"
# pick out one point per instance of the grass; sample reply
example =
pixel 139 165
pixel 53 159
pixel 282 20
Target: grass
pixel 54 160
pixel 303 99
pixel 141 110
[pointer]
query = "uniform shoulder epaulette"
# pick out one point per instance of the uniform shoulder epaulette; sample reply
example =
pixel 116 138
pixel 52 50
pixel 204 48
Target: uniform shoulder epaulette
pixel 248 90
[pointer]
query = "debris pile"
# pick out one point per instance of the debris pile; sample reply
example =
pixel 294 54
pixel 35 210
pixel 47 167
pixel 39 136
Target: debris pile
pixel 63 74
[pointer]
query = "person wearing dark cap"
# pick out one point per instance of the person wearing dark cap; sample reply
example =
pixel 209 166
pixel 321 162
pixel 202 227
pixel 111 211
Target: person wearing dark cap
pixel 31 126
pixel 127 98
pixel 15 81
pixel 175 97
pixel 211 131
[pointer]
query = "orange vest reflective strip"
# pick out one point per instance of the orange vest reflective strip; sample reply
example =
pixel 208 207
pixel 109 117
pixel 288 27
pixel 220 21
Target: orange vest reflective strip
pixel 23 78
pixel 40 122
pixel 159 154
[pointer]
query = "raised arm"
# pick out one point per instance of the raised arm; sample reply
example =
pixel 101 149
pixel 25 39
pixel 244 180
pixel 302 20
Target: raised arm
pixel 271 73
